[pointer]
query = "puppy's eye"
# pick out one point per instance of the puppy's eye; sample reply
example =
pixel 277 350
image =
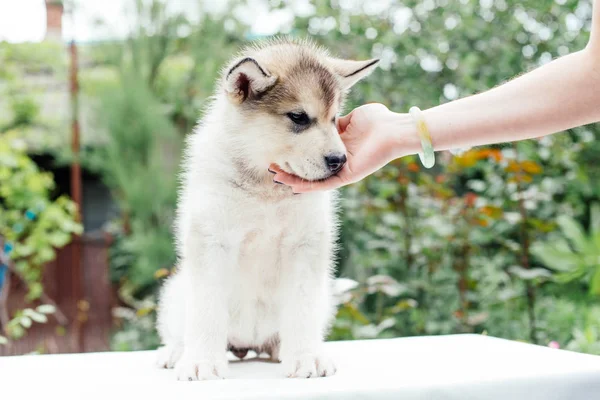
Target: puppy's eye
pixel 299 118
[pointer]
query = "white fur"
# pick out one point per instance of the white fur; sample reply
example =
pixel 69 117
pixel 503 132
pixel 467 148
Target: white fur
pixel 255 260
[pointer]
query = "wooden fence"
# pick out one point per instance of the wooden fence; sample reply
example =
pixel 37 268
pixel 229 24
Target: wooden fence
pixel 86 298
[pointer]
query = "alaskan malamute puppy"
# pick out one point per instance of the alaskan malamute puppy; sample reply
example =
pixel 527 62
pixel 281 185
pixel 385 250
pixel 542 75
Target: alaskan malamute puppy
pixel 255 260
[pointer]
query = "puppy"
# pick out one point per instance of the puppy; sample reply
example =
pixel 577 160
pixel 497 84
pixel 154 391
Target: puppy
pixel 255 261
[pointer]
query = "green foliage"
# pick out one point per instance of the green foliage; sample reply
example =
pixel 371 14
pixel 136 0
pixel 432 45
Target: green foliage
pixel 32 77
pixel 186 79
pixel 34 57
pixel 574 254
pixel 136 332
pixel 25 111
pixel 587 339
pixel 29 218
pixel 24 319
pixel 136 322
pixel 135 163
pixel 33 223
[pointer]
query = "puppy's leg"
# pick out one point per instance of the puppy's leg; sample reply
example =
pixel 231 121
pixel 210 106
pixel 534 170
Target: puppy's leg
pixel 305 312
pixel 170 321
pixel 168 355
pixel 273 352
pixel 205 334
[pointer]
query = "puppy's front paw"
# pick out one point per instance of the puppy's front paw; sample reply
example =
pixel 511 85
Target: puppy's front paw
pixel 189 369
pixel 309 365
pixel 167 356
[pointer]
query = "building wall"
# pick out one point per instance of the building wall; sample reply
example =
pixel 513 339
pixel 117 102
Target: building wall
pixel 54 15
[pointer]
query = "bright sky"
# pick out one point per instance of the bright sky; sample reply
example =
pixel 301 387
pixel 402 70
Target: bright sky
pixel 25 20
pixel 22 20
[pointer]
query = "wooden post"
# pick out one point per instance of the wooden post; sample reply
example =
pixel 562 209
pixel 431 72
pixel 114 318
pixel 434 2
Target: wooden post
pixel 76 195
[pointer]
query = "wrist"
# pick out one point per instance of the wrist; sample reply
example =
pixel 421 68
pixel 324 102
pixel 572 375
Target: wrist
pixel 403 136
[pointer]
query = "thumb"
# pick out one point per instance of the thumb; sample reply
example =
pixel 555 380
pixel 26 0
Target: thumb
pixel 343 122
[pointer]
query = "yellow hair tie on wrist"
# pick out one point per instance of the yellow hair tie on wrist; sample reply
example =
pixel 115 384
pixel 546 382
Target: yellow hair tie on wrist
pixel 427 157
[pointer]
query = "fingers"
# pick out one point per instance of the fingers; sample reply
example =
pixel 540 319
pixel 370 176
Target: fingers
pixel 343 123
pixel 275 170
pixel 300 185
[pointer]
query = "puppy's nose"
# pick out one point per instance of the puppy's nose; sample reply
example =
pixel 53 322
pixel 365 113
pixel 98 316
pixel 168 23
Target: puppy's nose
pixel 335 162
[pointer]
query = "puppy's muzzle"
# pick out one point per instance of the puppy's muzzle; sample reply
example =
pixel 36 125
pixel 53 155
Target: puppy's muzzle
pixel 335 162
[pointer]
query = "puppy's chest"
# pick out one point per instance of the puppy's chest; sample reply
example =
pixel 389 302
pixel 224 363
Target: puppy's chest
pixel 264 234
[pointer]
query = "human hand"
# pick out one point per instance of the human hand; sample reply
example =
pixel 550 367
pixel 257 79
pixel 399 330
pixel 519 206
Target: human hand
pixel 373 136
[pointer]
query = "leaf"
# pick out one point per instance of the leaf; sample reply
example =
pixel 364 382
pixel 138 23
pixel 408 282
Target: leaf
pixel 557 256
pixel 36 316
pixel 508 294
pixel 492 211
pixel 372 331
pixel 40 318
pixel 531 167
pixel 467 159
pixel 595 219
pixel 16 331
pixel 24 250
pixel 595 284
pixel 386 323
pixel 59 239
pixel 45 254
pixel 524 178
pixel 3 340
pixel 354 313
pixel 366 331
pixel 385 284
pixel 413 167
pixel 513 167
pixel 477 319
pixel 142 312
pixel 35 291
pixel 403 305
pixel 570 276
pixel 343 285
pixel 529 274
pixel 25 321
pixel 481 221
pixel 46 309
pixel 573 232
pixel 161 273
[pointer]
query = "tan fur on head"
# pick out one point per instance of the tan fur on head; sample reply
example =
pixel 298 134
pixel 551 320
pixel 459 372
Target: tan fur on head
pixel 264 61
pixel 276 83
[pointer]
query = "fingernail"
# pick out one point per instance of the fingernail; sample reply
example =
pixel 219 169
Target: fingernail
pixel 271 171
pixel 279 183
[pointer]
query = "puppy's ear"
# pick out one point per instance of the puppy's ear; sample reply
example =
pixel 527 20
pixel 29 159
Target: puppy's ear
pixel 247 79
pixel 349 72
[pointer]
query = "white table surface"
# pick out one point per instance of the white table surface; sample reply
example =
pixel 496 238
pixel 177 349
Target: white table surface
pixel 458 367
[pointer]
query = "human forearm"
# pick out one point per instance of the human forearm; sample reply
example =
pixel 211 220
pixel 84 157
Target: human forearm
pixel 557 96
pixel 560 95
